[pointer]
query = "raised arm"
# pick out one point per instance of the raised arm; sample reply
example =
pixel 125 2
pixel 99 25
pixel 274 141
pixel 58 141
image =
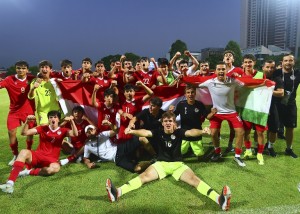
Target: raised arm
pixel 94 95
pixel 25 130
pixel 148 90
pixel 194 60
pixel 73 132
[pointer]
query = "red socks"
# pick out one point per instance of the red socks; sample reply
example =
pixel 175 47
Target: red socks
pixel 17 168
pixel 14 148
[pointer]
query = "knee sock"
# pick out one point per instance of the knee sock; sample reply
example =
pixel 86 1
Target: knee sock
pixel 238 152
pixel 247 144
pixel 35 172
pixel 206 190
pixel 260 148
pixel 132 185
pixel 14 148
pixel 17 168
pixel 29 144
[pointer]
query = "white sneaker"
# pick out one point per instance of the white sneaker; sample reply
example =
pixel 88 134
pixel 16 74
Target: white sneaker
pixel 64 161
pixel 24 173
pixel 8 188
pixel 10 163
pixel 239 161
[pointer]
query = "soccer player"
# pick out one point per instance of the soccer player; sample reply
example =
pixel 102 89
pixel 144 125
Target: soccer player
pixel 108 109
pixel 66 73
pixel 44 160
pixel 130 107
pixel 101 146
pixel 149 118
pixel 169 162
pixel 43 93
pixel 249 71
pixel 192 114
pixel 221 89
pixel 18 86
pixel 75 144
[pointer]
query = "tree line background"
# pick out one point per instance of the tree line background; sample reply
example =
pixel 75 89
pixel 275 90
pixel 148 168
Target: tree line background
pixel 180 46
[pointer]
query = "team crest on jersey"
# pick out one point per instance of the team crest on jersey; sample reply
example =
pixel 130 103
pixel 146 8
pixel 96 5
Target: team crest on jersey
pixel 112 110
pixel 173 137
pixel 105 81
pixel 22 90
pixel 133 103
pixel 59 132
pixel 196 110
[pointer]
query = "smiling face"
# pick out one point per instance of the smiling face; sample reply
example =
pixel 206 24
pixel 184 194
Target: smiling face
pixel 248 65
pixel 190 95
pixel 221 72
pixel 288 62
pixel 45 71
pixel 91 132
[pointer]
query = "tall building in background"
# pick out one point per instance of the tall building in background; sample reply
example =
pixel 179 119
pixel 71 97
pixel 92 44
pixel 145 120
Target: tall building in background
pixel 270 22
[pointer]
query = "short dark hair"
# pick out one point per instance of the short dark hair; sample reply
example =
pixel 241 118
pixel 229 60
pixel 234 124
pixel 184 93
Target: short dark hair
pixel 65 62
pixel 162 61
pixel 268 61
pixel 22 63
pixel 183 62
pixel 156 101
pixel 87 59
pixel 220 63
pixel 78 108
pixel 109 91
pixel 54 113
pixel 99 62
pixel 45 63
pixel 229 51
pixel 128 87
pixel 168 114
pixel 144 58
pixel 249 56
pixel 189 86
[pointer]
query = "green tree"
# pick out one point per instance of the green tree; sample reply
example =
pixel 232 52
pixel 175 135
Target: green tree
pixel 107 59
pixel 234 46
pixel 12 70
pixel 177 46
pixel 132 57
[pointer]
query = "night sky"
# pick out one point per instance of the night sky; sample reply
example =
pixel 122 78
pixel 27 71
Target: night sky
pixel 34 30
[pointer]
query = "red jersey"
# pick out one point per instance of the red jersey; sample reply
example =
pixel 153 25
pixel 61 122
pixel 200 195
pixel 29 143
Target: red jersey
pixel 105 113
pixel 60 75
pixel 78 142
pixel 145 77
pixel 133 107
pixel 17 91
pixel 235 72
pixel 51 140
pixel 103 82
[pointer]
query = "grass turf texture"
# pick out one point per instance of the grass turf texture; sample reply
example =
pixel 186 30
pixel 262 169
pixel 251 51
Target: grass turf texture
pixel 271 188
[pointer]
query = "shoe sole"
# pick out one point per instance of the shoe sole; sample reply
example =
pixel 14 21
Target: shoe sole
pixel 239 163
pixel 7 191
pixel 108 189
pixel 227 194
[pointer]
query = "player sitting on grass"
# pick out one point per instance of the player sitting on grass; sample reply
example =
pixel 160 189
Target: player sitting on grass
pixel 169 162
pixel 43 161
